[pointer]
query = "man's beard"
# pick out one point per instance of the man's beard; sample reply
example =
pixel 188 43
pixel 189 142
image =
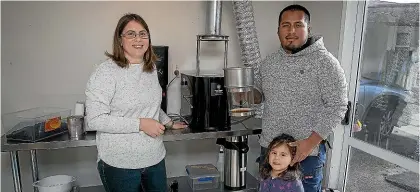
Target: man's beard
pixel 295 48
pixel 292 48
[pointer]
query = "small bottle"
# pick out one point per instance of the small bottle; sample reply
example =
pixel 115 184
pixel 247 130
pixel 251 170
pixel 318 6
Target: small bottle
pixel 174 186
pixel 221 164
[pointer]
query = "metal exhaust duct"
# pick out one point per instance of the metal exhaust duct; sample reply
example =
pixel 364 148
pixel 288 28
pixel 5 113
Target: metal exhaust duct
pixel 248 40
pixel 247 33
pixel 214 17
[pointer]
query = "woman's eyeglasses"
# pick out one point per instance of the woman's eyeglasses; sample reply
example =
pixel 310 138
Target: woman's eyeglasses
pixel 132 34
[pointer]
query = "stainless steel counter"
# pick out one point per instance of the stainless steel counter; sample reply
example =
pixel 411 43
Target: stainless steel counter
pixel 249 127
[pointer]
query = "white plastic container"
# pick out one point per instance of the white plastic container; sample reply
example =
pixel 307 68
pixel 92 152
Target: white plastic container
pixel 56 183
pixel 203 176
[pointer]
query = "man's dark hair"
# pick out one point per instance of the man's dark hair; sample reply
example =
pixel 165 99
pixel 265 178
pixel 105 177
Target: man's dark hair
pixel 296 8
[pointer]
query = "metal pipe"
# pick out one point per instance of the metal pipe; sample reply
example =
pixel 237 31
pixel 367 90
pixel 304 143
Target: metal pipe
pixel 34 167
pixel 197 57
pixel 214 17
pixel 226 55
pixel 16 171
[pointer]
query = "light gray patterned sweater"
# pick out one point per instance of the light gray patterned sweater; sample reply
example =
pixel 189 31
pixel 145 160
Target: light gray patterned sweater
pixel 115 100
pixel 305 91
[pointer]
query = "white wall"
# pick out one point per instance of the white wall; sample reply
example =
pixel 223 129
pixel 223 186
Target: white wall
pixel 50 48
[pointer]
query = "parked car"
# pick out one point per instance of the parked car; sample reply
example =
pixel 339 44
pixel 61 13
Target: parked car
pixel 378 109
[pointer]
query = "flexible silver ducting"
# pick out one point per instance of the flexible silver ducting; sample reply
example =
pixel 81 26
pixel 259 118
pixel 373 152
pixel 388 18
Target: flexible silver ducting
pixel 248 40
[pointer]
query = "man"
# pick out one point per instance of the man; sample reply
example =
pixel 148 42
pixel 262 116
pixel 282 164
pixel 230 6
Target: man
pixel 305 91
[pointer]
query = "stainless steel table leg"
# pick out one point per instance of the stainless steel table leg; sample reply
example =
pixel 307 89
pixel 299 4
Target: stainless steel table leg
pixel 16 171
pixel 34 167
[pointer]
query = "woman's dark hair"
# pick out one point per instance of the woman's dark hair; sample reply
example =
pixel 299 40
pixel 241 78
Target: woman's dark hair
pixel 118 52
pixel 292 172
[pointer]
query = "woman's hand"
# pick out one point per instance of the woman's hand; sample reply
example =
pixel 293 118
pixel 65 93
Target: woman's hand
pixel 175 125
pixel 151 127
pixel 179 125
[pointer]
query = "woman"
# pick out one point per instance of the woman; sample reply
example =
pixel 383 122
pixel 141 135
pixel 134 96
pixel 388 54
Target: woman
pixel 123 106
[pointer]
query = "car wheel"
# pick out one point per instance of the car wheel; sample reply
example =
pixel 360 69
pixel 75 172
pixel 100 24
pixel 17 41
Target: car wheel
pixel 382 117
pixel 386 125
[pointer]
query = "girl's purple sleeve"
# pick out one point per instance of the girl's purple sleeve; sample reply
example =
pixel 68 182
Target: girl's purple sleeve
pixel 278 185
pixel 288 186
pixel 297 186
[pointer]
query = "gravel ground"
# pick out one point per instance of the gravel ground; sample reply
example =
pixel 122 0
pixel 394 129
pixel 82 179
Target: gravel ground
pixel 367 174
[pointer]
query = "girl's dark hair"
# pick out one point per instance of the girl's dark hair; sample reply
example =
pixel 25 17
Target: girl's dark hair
pixel 118 52
pixel 292 172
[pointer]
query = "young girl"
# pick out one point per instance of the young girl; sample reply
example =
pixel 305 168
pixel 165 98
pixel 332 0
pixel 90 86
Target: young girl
pixel 276 173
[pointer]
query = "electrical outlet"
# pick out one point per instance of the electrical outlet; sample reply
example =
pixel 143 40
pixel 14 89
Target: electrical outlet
pixel 176 72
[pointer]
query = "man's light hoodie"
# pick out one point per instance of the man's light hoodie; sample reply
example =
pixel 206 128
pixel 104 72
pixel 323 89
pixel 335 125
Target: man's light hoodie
pixel 304 91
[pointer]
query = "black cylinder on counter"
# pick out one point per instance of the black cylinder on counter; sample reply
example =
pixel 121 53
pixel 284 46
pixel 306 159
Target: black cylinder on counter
pixel 208 100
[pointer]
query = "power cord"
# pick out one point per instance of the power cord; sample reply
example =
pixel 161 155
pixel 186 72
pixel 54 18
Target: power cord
pixel 174 116
pixel 176 73
pixel 177 117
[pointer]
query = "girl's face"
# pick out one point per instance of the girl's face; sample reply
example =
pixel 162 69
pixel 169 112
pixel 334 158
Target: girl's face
pixel 279 158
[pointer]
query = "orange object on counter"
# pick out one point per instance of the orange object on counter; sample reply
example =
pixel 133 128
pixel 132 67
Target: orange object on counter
pixel 52 124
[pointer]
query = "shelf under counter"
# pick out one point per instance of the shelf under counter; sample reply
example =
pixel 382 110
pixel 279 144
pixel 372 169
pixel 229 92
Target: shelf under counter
pixel 251 185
